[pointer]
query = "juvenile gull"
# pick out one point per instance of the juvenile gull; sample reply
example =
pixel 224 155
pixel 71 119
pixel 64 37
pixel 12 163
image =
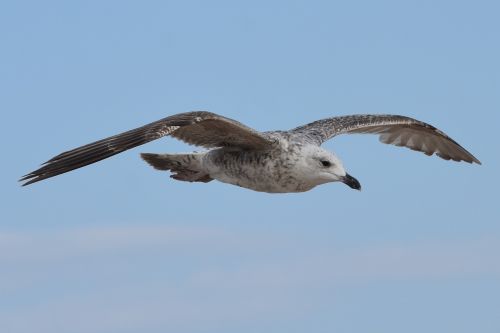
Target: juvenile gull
pixel 275 162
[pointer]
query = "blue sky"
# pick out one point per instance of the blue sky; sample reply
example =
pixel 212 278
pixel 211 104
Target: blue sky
pixel 119 247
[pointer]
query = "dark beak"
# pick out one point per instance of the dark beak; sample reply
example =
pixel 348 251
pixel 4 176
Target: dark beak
pixel 351 182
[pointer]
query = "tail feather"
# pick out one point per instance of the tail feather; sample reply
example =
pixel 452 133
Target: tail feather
pixel 185 167
pixel 159 162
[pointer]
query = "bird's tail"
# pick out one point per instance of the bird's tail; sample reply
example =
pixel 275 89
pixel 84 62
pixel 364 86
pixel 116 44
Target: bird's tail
pixel 185 167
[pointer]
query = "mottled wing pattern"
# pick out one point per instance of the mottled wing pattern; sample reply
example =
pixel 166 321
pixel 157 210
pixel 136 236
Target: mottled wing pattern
pixel 199 128
pixel 392 129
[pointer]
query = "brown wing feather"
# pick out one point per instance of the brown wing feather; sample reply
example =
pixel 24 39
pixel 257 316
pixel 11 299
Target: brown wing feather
pixel 198 128
pixel 392 129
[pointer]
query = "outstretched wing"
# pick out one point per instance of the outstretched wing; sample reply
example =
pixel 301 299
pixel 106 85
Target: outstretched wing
pixel 397 130
pixel 199 128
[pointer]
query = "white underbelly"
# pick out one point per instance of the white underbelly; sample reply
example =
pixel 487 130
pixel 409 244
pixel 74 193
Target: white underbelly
pixel 263 172
pixel 262 180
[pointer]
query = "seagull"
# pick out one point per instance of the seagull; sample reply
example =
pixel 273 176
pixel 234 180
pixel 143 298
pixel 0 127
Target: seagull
pixel 273 162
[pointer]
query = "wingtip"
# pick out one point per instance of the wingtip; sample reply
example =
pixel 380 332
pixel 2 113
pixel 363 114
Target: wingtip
pixel 27 179
pixel 24 178
pixel 472 159
pixel 30 178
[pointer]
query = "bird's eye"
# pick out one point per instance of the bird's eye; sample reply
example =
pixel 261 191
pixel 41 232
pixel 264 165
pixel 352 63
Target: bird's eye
pixel 326 163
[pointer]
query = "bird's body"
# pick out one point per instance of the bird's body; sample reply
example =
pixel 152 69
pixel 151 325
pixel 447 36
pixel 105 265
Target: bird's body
pixel 274 162
pixel 277 170
pixel 267 171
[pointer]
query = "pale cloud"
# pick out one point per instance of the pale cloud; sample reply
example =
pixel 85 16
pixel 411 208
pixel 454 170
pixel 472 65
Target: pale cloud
pixel 65 243
pixel 416 260
pixel 122 278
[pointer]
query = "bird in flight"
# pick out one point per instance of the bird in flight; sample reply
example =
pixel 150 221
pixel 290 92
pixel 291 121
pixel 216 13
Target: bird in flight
pixel 274 162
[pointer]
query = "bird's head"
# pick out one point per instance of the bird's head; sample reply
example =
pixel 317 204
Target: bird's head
pixel 323 166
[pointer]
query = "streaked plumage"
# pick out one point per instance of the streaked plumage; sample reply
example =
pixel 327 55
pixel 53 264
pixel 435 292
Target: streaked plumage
pixel 279 161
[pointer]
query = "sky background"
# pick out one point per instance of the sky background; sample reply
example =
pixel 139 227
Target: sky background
pixel 120 247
